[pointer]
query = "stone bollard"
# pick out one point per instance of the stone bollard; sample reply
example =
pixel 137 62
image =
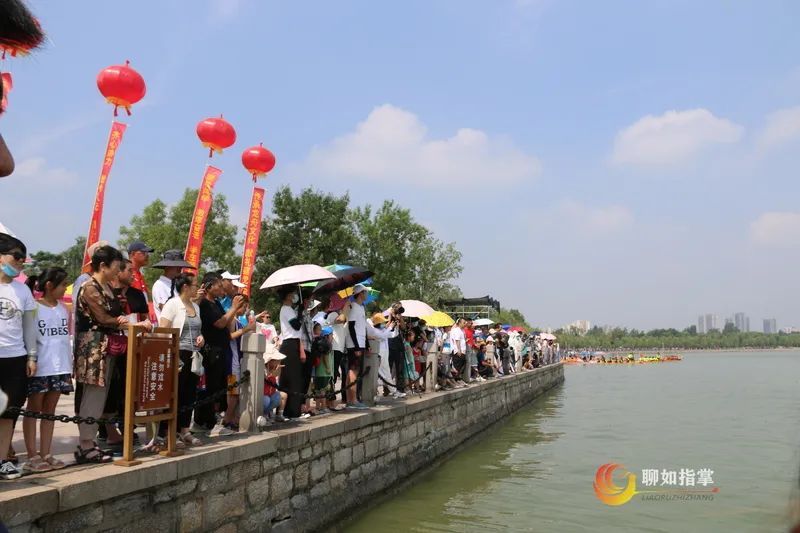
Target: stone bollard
pixel 431 367
pixel 369 383
pixel 466 375
pixel 251 393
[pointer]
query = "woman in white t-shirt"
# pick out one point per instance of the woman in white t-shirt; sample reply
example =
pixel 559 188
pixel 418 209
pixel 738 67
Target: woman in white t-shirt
pixel 53 370
pixel 17 342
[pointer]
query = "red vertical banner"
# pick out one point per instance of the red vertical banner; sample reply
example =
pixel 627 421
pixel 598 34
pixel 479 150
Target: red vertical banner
pixel 251 238
pixel 202 208
pixel 114 140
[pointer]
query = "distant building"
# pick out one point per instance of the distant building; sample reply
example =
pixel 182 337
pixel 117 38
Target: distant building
pixel 729 321
pixel 701 325
pixel 770 326
pixel 790 330
pixel 580 327
pixel 712 322
pixel 741 321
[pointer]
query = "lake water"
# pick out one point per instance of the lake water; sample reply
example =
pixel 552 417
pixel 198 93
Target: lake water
pixel 735 413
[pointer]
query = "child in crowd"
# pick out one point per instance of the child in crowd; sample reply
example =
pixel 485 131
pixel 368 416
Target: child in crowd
pixel 411 371
pixel 323 367
pixel 53 371
pixel 274 400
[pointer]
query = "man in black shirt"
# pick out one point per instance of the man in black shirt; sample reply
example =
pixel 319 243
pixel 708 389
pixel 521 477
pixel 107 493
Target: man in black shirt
pixel 217 350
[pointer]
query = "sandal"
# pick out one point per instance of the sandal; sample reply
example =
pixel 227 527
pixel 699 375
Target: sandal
pixel 35 465
pixel 190 439
pixel 91 455
pixel 57 464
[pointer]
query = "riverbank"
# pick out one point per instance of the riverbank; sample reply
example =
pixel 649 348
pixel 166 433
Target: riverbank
pixel 299 478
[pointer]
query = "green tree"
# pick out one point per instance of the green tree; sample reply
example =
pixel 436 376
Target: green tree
pixel 510 316
pixel 70 260
pixel 166 227
pixel 312 227
pixel 408 260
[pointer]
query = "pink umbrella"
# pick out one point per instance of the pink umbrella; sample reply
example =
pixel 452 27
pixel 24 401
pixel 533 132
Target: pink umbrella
pixel 336 303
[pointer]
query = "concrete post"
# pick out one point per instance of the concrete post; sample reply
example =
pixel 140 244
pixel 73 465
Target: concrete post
pixel 466 375
pixel 432 362
pixel 251 393
pixel 369 385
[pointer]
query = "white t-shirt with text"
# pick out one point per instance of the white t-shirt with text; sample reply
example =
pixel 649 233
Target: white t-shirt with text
pixel 52 341
pixel 15 300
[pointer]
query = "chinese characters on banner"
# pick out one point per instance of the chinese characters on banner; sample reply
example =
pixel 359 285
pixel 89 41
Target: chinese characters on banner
pixel 114 139
pixel 202 207
pixel 685 477
pixel 251 238
pixel 155 375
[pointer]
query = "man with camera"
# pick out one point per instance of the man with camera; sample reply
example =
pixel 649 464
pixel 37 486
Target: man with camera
pixel 397 354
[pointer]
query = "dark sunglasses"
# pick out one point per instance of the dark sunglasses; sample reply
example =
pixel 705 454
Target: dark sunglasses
pixel 16 254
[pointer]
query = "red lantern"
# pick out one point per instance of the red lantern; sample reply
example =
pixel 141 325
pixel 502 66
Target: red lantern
pixel 121 85
pixel 258 161
pixel 216 134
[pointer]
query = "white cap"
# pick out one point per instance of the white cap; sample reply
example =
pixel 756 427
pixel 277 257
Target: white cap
pixel 358 289
pixel 228 275
pixel 237 283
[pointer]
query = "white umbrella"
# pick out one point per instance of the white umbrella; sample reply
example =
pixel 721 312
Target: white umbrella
pixel 4 229
pixel 415 308
pixel 547 336
pixel 295 275
pixel 483 322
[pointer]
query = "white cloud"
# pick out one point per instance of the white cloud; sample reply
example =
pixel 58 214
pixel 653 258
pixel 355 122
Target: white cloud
pixel 392 144
pixel 776 228
pixel 674 137
pixel 781 127
pixel 595 220
pixel 35 170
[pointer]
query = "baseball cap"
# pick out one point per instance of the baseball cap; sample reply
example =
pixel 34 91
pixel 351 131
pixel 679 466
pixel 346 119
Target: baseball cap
pixel 228 275
pixel 237 283
pixel 139 246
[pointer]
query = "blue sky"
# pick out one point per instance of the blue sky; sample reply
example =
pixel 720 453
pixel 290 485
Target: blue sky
pixel 625 162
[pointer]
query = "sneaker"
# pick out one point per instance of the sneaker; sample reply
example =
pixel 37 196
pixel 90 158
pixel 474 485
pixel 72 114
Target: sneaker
pixel 9 471
pixel 263 422
pixel 222 431
pixel 357 405
pixel 304 415
pixel 280 418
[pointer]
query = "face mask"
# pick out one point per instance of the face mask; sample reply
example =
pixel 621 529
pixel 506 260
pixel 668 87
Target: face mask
pixel 295 298
pixel 9 270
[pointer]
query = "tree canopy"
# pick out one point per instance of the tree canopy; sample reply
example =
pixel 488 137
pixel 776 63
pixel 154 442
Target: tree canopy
pixel 166 227
pixel 667 339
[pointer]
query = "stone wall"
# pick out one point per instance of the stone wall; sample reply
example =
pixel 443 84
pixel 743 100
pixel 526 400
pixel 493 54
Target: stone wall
pixel 297 479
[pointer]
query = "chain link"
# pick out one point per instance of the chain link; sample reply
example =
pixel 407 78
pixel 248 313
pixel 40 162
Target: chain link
pixel 117 419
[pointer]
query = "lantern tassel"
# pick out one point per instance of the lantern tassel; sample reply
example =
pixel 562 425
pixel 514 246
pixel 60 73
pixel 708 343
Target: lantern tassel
pixel 115 110
pixel 128 110
pixel 210 153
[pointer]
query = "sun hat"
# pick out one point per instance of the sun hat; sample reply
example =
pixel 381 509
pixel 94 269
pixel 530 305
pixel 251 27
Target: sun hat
pixel 378 318
pixel 228 275
pixel 492 331
pixel 273 355
pixel 489 339
pixel 173 258
pixel 358 289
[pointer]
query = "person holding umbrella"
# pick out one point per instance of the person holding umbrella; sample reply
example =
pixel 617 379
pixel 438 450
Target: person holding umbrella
pixel 291 346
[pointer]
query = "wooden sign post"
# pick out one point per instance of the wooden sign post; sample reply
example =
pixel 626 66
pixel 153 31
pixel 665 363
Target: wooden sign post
pixel 151 386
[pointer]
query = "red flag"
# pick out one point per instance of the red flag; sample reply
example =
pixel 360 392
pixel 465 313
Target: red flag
pixel 202 207
pixel 251 238
pixel 114 139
